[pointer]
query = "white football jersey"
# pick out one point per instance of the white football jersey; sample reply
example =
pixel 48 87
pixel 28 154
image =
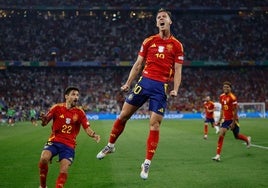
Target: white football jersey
pixel 217 111
pixel 217 106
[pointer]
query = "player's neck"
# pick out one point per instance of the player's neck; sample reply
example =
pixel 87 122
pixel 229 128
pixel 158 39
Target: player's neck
pixel 165 34
pixel 68 105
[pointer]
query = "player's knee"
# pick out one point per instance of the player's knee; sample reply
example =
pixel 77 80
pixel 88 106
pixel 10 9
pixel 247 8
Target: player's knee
pixel 45 157
pixel 155 125
pixel 44 160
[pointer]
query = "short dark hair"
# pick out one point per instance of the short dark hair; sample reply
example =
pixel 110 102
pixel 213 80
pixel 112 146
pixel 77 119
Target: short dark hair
pixel 69 89
pixel 227 83
pixel 164 10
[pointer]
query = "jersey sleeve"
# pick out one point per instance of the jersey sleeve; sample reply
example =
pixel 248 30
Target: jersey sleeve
pixel 51 112
pixel 144 47
pixel 84 121
pixel 179 53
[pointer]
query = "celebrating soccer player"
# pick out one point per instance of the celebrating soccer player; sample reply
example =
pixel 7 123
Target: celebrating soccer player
pixel 67 120
pixel 161 58
pixel 229 115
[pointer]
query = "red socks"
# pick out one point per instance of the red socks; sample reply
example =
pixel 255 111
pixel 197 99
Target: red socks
pixel 43 176
pixel 61 180
pixel 152 143
pixel 205 129
pixel 152 140
pixel 43 169
pixel 219 147
pixel 117 129
pixel 242 137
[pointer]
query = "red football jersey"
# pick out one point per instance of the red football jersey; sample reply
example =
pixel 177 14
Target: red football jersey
pixel 66 123
pixel 161 56
pixel 209 105
pixel 228 102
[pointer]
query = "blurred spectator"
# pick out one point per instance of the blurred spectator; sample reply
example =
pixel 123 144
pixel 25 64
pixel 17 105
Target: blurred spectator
pixel 110 35
pixel 23 87
pixel 110 31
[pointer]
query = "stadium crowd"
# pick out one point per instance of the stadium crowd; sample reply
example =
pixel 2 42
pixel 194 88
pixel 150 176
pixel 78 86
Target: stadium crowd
pixel 112 31
pixel 112 35
pixel 23 88
pixel 136 3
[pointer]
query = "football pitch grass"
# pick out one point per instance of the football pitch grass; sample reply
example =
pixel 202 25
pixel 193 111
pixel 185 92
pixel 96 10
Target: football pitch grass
pixel 183 158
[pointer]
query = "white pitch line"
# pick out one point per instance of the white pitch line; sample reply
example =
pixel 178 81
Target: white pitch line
pixel 258 146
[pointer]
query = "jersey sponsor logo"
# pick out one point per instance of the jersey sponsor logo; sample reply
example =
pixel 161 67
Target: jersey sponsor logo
pixel 181 58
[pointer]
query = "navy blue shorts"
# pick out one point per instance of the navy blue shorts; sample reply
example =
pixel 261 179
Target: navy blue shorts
pixel 226 124
pixel 64 152
pixel 147 89
pixel 210 120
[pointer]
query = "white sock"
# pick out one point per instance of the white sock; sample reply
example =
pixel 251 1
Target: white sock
pixel 110 145
pixel 147 161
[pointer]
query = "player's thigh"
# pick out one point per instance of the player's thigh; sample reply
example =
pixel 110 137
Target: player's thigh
pixel 127 111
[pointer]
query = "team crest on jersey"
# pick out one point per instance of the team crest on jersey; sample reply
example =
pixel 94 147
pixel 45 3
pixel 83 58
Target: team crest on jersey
pixel 226 101
pixel 161 49
pixel 68 121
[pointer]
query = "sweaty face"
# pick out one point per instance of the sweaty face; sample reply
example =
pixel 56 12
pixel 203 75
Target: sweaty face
pixel 163 21
pixel 72 98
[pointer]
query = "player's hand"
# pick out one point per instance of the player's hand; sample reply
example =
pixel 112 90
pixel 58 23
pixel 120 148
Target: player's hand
pixel 232 125
pixel 173 93
pixel 125 88
pixel 42 117
pixel 97 138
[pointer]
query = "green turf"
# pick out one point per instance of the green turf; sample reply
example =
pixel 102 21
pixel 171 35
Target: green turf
pixel 183 158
